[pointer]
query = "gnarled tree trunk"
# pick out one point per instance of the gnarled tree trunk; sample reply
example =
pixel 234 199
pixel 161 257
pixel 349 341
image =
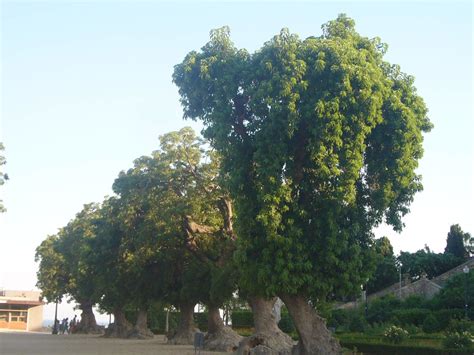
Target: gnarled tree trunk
pixel 184 335
pixel 315 338
pixel 219 337
pixel 121 327
pixel 141 331
pixel 88 324
pixel 268 338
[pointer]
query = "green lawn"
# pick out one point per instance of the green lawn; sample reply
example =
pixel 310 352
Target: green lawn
pixel 415 344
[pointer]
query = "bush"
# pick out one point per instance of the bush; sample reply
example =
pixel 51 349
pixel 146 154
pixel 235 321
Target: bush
pixel 377 329
pixel 460 326
pixel 431 324
pixel 242 319
pixel 412 329
pixel 457 340
pixel 381 310
pixel 201 321
pixel 445 316
pixel 357 323
pixel 157 320
pixel 395 334
pixel 286 323
pixel 454 292
pixel 414 301
pixel 414 316
pixel 338 318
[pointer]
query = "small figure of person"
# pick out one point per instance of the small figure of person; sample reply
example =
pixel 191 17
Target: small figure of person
pixel 66 325
pixel 61 326
pixel 72 324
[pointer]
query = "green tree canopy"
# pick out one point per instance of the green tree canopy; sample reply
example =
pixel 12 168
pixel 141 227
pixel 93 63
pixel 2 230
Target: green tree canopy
pixel 320 139
pixel 52 272
pixel 459 243
pixel 424 261
pixel 385 273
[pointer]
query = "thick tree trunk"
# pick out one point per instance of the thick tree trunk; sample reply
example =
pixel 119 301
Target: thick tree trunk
pixel 268 338
pixel 184 335
pixel 219 337
pixel 141 331
pixel 214 320
pixel 88 325
pixel 315 338
pixel 121 327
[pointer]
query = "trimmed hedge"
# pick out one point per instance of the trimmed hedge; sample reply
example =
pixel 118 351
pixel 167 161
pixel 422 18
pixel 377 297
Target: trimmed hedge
pixel 242 319
pixel 157 321
pixel 415 316
pixel 201 321
pixel 286 323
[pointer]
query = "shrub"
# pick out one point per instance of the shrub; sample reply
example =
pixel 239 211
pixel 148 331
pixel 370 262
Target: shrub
pixel 376 329
pixel 414 316
pixel 357 323
pixel 338 318
pixel 412 329
pixel 414 301
pixel 445 316
pixel 242 319
pixel 431 324
pixel 381 310
pixel 157 320
pixel 201 321
pixel 460 326
pixel 286 323
pixel 458 340
pixel 395 334
pixel 453 293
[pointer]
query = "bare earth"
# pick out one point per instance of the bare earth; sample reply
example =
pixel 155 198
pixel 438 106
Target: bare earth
pixel 23 343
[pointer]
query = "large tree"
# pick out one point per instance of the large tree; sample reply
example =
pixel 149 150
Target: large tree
pixel 320 139
pixel 163 196
pixel 115 284
pixel 64 268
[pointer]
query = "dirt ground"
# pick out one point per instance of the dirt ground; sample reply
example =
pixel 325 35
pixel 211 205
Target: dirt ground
pixel 23 343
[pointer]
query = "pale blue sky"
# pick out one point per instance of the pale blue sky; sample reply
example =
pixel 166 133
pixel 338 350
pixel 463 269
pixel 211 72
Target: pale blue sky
pixel 86 88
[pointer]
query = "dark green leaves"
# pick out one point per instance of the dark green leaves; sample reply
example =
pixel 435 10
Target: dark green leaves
pixel 319 139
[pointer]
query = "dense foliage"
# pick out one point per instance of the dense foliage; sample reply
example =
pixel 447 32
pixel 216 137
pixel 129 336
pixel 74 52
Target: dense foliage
pixel 132 250
pixel 416 264
pixel 315 142
pixel 459 243
pixel 320 139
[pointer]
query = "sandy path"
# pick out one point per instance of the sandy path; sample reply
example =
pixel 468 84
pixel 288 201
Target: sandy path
pixel 22 343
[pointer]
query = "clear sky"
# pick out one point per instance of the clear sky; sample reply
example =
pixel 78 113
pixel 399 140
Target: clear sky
pixel 86 88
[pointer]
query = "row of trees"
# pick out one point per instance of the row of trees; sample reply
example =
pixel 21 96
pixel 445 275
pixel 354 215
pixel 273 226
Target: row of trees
pixel 313 142
pixel 145 245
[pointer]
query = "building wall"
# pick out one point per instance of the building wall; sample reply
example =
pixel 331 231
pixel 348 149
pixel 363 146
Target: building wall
pixel 13 318
pixel 35 318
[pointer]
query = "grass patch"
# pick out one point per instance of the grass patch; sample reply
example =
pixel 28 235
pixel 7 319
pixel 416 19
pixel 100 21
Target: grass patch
pixel 417 344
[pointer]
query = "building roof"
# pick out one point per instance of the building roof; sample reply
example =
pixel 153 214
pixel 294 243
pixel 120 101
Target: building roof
pixel 29 298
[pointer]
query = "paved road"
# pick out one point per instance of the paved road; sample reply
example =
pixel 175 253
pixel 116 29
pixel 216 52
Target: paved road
pixel 22 343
